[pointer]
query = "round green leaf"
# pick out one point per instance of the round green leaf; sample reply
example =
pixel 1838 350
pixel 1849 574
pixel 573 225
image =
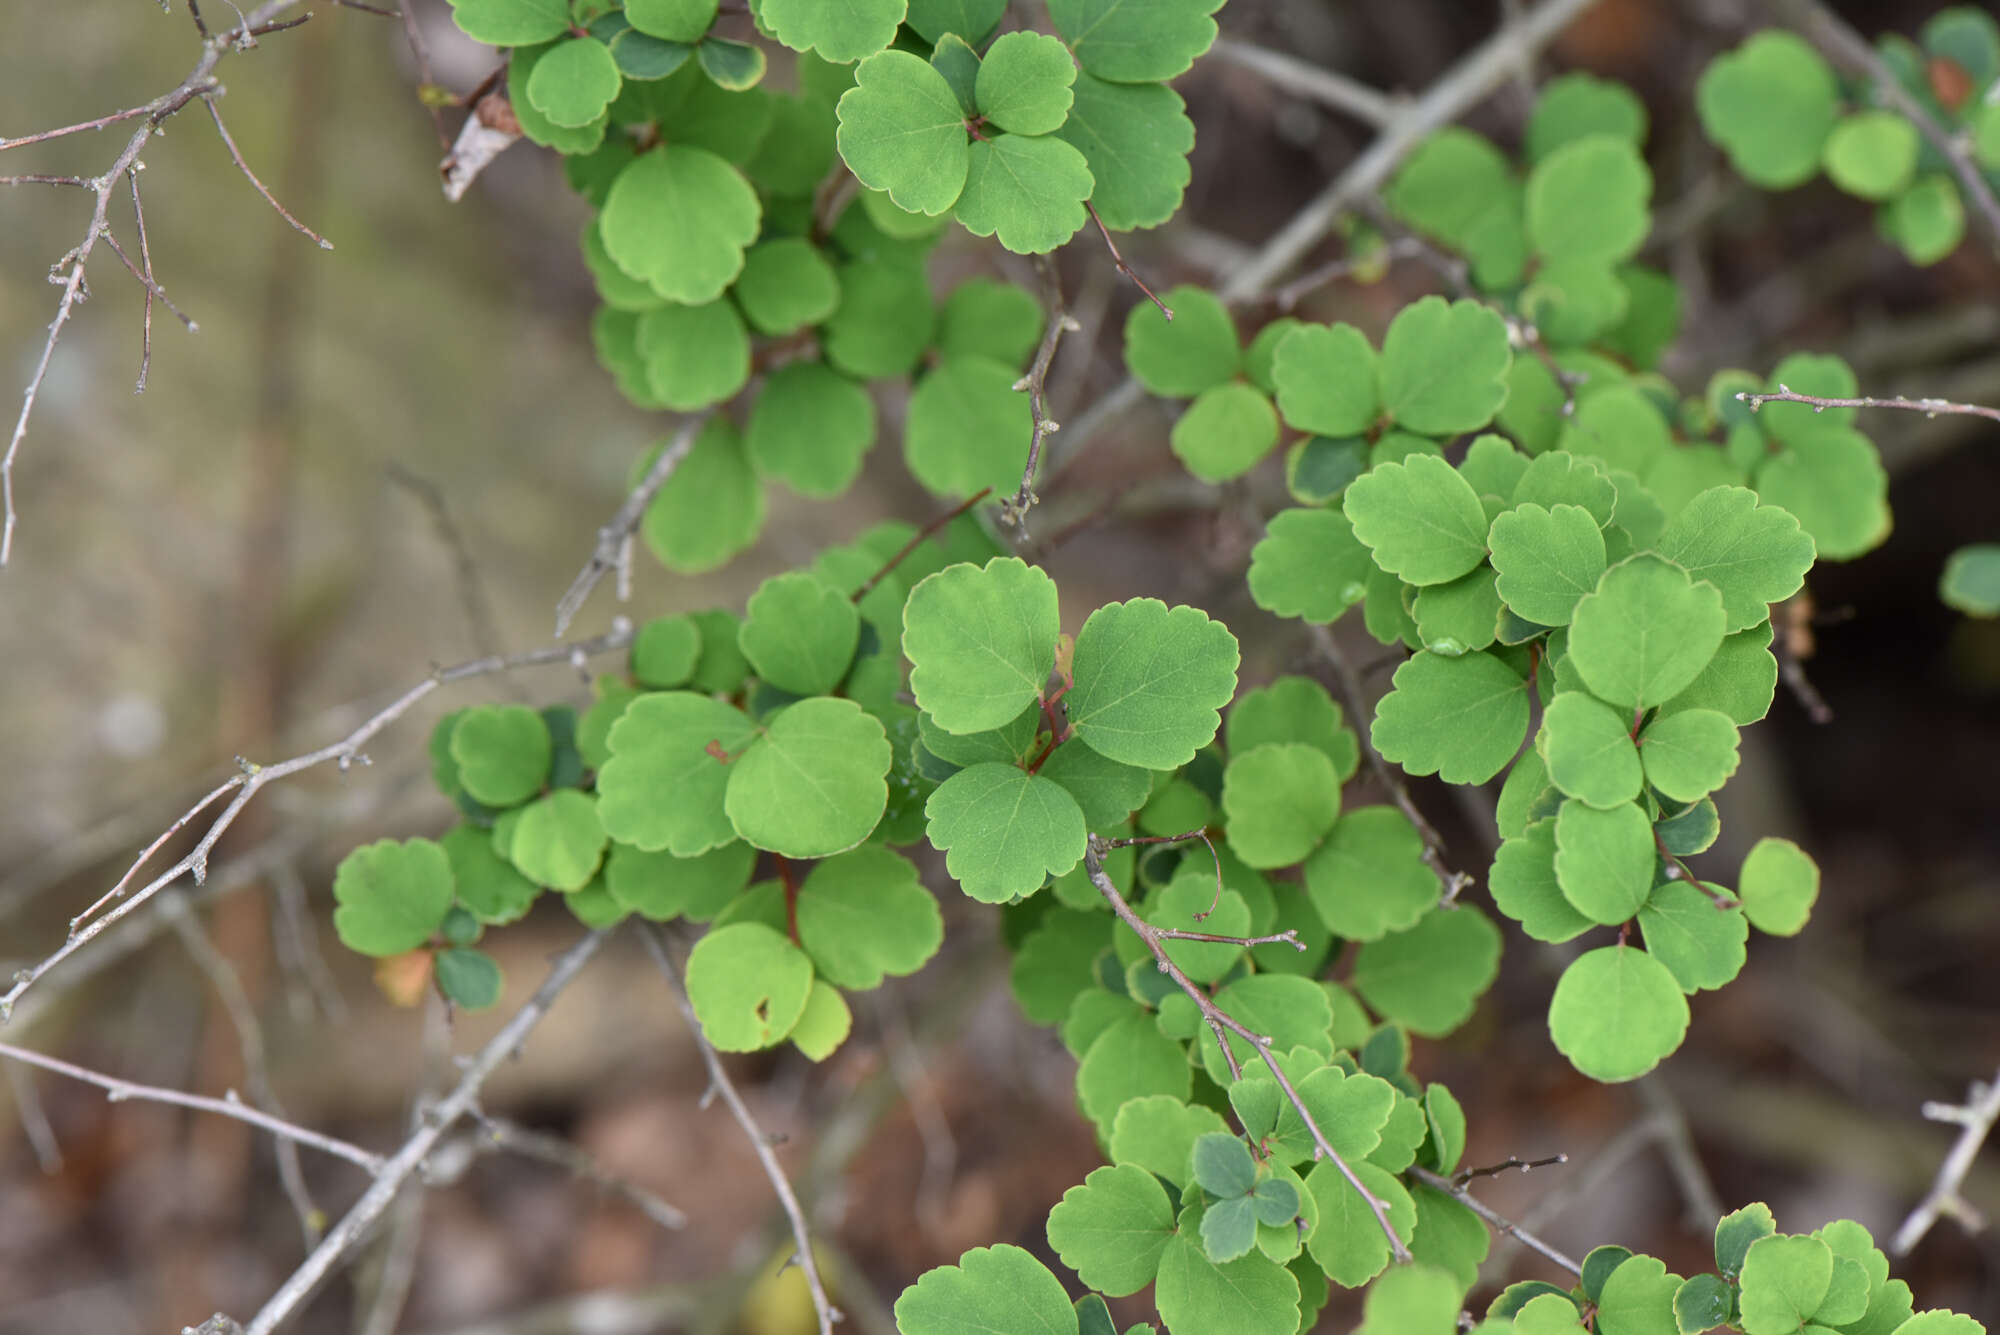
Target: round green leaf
pixel 824 1024
pixel 1293 1011
pixel 865 914
pixel 1971 580
pixel 1459 614
pixel 1460 718
pixel 1151 682
pixel 1834 483
pixel 1872 154
pixel 1567 479
pixel 538 128
pixel 1423 521
pixel 468 978
pixel 982 641
pixel 970 19
pixel 1369 879
pixel 1135 138
pixel 574 81
pixel 680 217
pixel 1927 221
pixel 1645 633
pixel 1755 554
pixel 559 840
pixel 1189 903
pixel 884 320
pixel 748 985
pixel 1778 886
pixel 1107 791
pixel 1453 184
pixel 1616 1013
pixel 1194 351
pixel 1057 961
pixel 799 634
pixel 841 32
pixel 1225 432
pixel 1588 201
pixel 1309 565
pixel 1135 43
pixel 511 22
pixel 1113 1228
pixel 736 66
pixel 1784 1279
pixel 990 1289
pixel 487 884
pixel 1739 682
pixel 502 753
pixel 647 58
pixel 1327 380
pixel 1620 428
pixel 391 896
pixel 994 320
pixel 665 652
pixel 811 427
pixel 1701 945
pixel 1428 978
pixel 1770 103
pixel 1703 1303
pixel 695 356
pixel 710 509
pixel 1444 367
pixel 1157 1133
pixel 663 887
pixel 786 285
pixel 1024 83
pixel 1414 1299
pixel 1605 860
pixel 1689 754
pixel 1638 1299
pixel 797 153
pixel 1004 831
pixel 1294 709
pixel 1525 888
pixel 814 784
pixel 968 426
pixel 1573 106
pixel 1546 560
pixel 674 20
pixel 1130 1059
pixel 1253 1294
pixel 1027 190
pixel 663 786
pixel 1589 751
pixel 902 130
pixel 1349 1244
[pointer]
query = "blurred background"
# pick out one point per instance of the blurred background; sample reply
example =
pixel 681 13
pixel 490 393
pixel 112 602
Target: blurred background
pixel 395 454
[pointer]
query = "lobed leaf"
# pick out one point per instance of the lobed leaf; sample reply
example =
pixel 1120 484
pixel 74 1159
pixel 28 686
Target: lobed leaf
pixel 1150 682
pixel 748 986
pixel 1003 831
pixel 814 783
pixel 391 896
pixel 982 640
pixel 1422 519
pixel 1617 1013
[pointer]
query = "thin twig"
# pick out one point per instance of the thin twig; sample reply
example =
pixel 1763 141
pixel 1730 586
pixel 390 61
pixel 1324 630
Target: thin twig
pixel 389 1179
pixel 36 178
pixel 1118 258
pixel 497 1133
pixel 215 114
pixel 296 940
pixel 761 1143
pixel 1015 509
pixel 610 552
pixel 1513 1164
pixel 1219 1020
pixel 1975 1118
pixel 146 854
pixel 34 1119
pixel 1287 298
pixel 120 1090
pixel 471 585
pixel 1311 81
pixel 346 752
pixel 1493 1217
pixel 1928 407
pixel 420 52
pixel 916 541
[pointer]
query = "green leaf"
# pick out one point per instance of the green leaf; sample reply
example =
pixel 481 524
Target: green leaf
pixel 1689 754
pixel 1525 888
pixel 1616 1013
pixel 511 22
pixel 1770 103
pixel 1927 221
pixel 1113 1229
pixel 1429 978
pixel 663 786
pixel 1055 963
pixel 902 130
pixel 391 896
pixel 1447 1123
pixel 1027 190
pixel 486 883
pixel 1784 1278
pixel 1940 1323
pixel 1024 83
pixel 824 1024
pixel 1292 1011
pixel 1605 860
pixel 799 634
pixel 1228 1229
pixel 695 356
pixel 1646 632
pixel 1460 614
pixel 811 427
pixel 1131 1059
pixel 990 1289
pixel 841 32
pixel 1135 138
pixel 1567 479
pixel 982 640
pixel 994 320
pixel 1004 831
pixel 680 218
pixel 1453 185
pixel 559 841
pixel 468 978
pixel 1638 1299
pixel 1128 43
pixel 1294 709
pixel 1150 682
pixel 1546 560
pixel 1349 1243
pixel 1702 1303
pixel 675 20
pixel 1872 154
pixel 814 783
pixel 1701 944
pixel 502 753
pixel 1327 380
pixel 1413 1300
pixel 1572 106
pixel 1194 351
pixel 786 284
pixel 665 652
pixel 1158 1132
pixel 1588 201
pixel 1756 555
pixel 748 985
pixel 968 426
pixel 1183 905
pixel 1739 682
pixel 864 915
pixel 1369 879
pixel 538 128
pixel 1107 791
pixel 1971 580
pixel 1309 565
pixel 663 887
pixel 1778 885
pixel 1253 1294
pixel 647 58
pixel 799 149
pixel 574 81
pixel 1225 432
pixel 1423 521
pixel 1589 752
pixel 970 19
pixel 1734 1234
pixel 1692 831
pixel 1460 718
pixel 1444 367
pixel 1318 469
pixel 1222 1166
pixel 738 66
